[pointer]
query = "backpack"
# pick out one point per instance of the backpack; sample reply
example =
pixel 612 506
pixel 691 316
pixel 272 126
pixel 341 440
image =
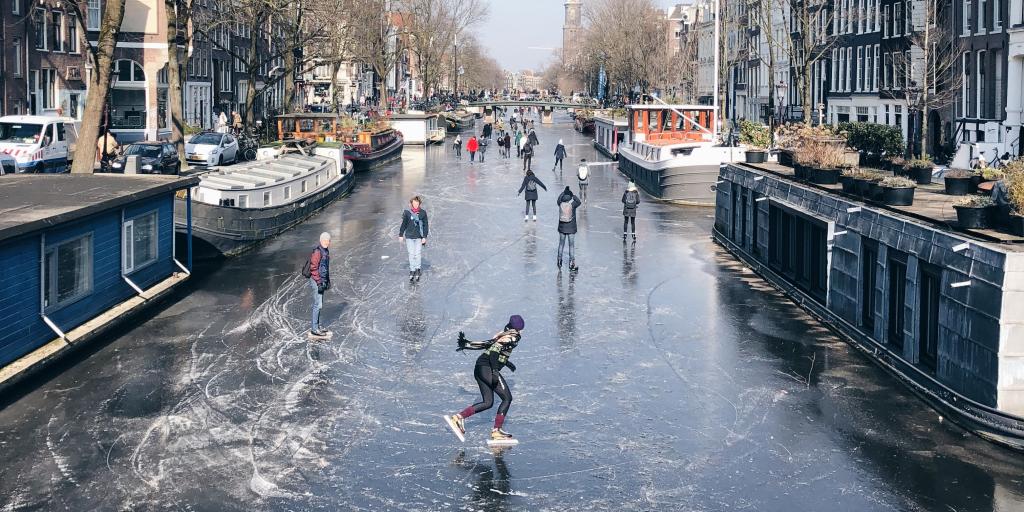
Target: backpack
pixel 307 270
pixel 631 199
pixel 531 186
pixel 565 211
pixel 582 173
pixel 415 220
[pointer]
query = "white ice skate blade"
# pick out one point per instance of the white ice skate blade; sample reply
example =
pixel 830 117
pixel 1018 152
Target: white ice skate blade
pixel 502 442
pixel 326 336
pixel 455 428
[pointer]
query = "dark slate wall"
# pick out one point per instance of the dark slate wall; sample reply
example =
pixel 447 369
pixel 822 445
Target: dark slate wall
pixel 20 282
pixel 968 316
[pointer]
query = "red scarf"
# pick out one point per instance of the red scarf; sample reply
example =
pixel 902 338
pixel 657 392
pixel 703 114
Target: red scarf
pixel 415 210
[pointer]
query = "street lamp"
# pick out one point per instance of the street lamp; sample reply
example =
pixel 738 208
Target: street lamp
pixel 780 97
pixel 913 104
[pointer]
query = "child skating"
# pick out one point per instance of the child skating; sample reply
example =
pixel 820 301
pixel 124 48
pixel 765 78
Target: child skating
pixel 487 373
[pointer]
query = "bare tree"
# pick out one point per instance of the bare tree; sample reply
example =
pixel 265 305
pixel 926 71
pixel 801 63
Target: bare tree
pixel 431 27
pixel 178 14
pixel 932 62
pixel 375 38
pixel 101 57
pixel 807 42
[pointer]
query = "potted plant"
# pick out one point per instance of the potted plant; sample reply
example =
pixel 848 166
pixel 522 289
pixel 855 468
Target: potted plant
pixel 847 180
pixel 897 191
pixel 758 137
pixel 873 189
pixel 991 174
pixel 828 160
pixel 972 212
pixel 897 165
pixel 958 182
pixel 920 170
pixel 1013 219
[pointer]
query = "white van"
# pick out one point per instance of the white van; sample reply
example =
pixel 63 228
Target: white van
pixel 39 143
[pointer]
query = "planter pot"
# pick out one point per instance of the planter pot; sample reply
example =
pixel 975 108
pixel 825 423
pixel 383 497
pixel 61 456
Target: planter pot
pixel 975 181
pixel 799 171
pixel 898 196
pixel 849 186
pixel 786 158
pixel 957 186
pixel 757 156
pixel 825 176
pixel 874 191
pixel 972 218
pixel 860 187
pixel 921 176
pixel 1015 225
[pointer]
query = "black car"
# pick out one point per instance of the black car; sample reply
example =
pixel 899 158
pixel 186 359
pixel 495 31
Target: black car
pixel 154 158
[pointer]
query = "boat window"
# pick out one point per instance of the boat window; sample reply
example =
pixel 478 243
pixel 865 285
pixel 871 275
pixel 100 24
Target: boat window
pixel 67 272
pixel 243 200
pixel 325 126
pixel 266 198
pixel 666 121
pixel 139 244
pixel 305 125
pixel 288 125
pixel 287 193
pixel 20 133
pixel 305 186
pixel 318 180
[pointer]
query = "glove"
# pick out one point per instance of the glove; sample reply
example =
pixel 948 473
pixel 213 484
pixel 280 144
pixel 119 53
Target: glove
pixel 462 341
pixel 510 366
pixel 320 287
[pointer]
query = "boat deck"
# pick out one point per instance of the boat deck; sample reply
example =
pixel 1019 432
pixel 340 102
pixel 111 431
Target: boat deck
pixel 264 172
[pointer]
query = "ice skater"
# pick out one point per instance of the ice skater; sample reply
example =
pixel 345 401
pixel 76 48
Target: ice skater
pixel 472 146
pixel 630 200
pixel 527 156
pixel 457 146
pixel 483 148
pixel 559 156
pixel 319 274
pixel 583 176
pixel 487 373
pixel 530 184
pixel 413 232
pixel 567 205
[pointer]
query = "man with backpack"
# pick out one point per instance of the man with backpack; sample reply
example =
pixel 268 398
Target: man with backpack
pixel 527 156
pixel 567 205
pixel 630 200
pixel 583 175
pixel 318 270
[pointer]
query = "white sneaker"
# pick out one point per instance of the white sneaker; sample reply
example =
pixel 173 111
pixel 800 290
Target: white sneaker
pixel 526 218
pixel 535 218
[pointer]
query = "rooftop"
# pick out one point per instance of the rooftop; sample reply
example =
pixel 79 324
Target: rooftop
pixel 32 202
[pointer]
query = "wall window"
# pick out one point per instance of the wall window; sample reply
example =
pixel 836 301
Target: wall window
pixel 93 23
pixel 139 244
pixel 897 19
pixel 965 28
pixel 928 316
pixel 72 34
pixel 885 22
pixel 997 16
pixel 18 55
pixel 874 69
pixel 266 198
pixel 868 281
pixel 73 110
pixel 860 68
pixel 39 27
pixel 797 249
pixel 55 32
pixel 897 299
pixel 243 200
pixel 967 105
pixel 982 24
pixel 48 86
pixel 886 70
pixel 15 6
pixel 908 19
pixel 981 86
pixel 67 272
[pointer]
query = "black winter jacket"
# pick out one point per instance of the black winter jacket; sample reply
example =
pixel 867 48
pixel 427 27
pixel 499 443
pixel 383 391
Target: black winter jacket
pixel 408 228
pixel 531 195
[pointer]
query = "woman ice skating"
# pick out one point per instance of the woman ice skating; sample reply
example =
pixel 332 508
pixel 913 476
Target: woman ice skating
pixel 472 146
pixel 413 232
pixel 567 205
pixel 630 200
pixel 487 373
pixel 530 184
pixel 457 146
pixel 559 156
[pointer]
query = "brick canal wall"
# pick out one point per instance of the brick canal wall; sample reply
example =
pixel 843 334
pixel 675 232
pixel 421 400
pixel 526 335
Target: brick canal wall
pixel 945 317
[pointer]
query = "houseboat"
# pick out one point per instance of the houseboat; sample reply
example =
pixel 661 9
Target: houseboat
pixel 459 121
pixel 418 128
pixel 236 208
pixel 367 145
pixel 81 254
pixel 673 152
pixel 609 132
pixel 583 122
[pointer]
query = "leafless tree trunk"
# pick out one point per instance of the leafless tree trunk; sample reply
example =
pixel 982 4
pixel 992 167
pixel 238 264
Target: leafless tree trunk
pixel 177 14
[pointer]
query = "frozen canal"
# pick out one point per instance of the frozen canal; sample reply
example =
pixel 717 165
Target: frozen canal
pixel 662 377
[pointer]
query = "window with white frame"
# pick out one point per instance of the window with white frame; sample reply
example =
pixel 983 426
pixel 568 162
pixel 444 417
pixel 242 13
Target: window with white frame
pixel 16 63
pixel 981 85
pixel 965 28
pixel 862 17
pixel 908 63
pixel 93 21
pixel 16 7
pixel 849 69
pixel 982 23
pixel 860 69
pixel 72 34
pixel 968 88
pixel 997 16
pixel 67 272
pixel 266 198
pixel 886 67
pixel 885 22
pixel 874 71
pixel 48 85
pixel 908 19
pixel 39 27
pixel 835 62
pixel 139 242
pixel 56 31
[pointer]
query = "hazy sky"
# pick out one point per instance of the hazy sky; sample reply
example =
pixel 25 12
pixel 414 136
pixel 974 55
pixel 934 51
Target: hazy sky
pixel 517 29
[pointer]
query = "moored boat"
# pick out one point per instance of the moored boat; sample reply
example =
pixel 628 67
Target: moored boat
pixel 368 144
pixel 609 131
pixel 459 121
pixel 374 149
pixel 236 208
pixel 673 153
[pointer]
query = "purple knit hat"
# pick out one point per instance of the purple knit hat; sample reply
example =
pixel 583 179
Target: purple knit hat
pixel 516 322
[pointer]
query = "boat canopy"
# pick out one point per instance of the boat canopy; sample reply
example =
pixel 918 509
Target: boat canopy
pixel 672 124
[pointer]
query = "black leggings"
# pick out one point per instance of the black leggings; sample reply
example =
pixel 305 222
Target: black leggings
pixel 626 221
pixel 558 163
pixel 491 382
pixel 531 202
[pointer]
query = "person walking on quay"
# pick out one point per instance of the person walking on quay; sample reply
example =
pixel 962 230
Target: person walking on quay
pixel 530 184
pixel 413 232
pixel 567 205
pixel 508 145
pixel 630 200
pixel 319 273
pixel 457 146
pixel 472 146
pixel 583 176
pixel 483 148
pixel 236 122
pixel 527 156
pixel 559 156
pixel 487 372
pixel 222 122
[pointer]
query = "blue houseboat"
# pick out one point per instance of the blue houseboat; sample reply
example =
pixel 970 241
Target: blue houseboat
pixel 80 253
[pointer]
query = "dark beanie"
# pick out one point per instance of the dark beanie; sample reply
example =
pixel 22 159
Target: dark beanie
pixel 516 322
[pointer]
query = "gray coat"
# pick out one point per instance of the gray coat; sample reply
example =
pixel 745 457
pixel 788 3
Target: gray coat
pixel 626 210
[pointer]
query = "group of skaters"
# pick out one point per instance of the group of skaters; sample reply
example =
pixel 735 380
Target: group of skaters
pixel 415 229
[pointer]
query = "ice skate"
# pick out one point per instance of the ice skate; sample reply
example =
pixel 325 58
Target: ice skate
pixel 526 218
pixel 457 425
pixel 412 275
pixel 535 218
pixel 573 267
pixel 501 438
pixel 559 263
pixel 419 274
pixel 319 334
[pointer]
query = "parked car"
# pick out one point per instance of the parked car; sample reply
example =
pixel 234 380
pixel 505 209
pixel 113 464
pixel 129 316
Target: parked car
pixel 154 158
pixel 8 165
pixel 212 148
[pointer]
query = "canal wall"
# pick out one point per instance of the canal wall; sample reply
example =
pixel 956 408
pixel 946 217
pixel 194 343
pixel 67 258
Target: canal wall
pixel 942 311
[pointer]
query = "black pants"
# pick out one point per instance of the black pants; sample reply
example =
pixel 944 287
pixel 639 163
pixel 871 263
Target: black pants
pixel 491 382
pixel 527 161
pixel 558 163
pixel 532 202
pixel 458 151
pixel 627 221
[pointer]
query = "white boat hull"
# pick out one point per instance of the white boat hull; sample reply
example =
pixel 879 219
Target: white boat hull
pixel 684 178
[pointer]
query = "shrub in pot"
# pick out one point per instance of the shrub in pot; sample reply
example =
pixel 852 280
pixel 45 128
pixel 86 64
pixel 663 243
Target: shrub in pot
pixel 898 166
pixel 973 212
pixel 958 182
pixel 990 174
pixel 872 187
pixel 874 141
pixel 1014 182
pixel 846 179
pixel 758 137
pixel 920 170
pixel 897 191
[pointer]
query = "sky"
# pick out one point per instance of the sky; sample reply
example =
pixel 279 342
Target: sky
pixel 522 33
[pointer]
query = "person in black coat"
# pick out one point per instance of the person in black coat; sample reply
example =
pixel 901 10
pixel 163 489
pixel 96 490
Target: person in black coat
pixel 534 141
pixel 508 145
pixel 567 205
pixel 630 200
pixel 559 155
pixel 530 184
pixel 527 156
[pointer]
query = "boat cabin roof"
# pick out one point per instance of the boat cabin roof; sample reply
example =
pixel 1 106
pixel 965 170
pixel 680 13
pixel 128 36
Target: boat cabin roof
pixel 662 106
pixel 312 115
pixel 265 173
